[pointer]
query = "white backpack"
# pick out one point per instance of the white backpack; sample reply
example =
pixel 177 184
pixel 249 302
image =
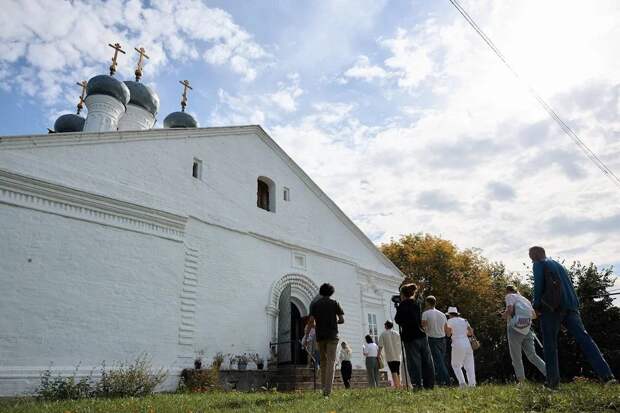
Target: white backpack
pixel 521 321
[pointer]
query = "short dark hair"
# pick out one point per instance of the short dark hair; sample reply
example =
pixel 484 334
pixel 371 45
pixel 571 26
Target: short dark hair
pixel 408 290
pixel 327 290
pixel 388 324
pixel 431 300
pixel 368 339
pixel 538 252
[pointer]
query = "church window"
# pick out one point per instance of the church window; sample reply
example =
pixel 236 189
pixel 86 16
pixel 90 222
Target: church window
pixel 197 169
pixel 287 194
pixel 372 327
pixel 265 194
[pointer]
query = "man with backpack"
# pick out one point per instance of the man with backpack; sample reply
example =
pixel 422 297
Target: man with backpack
pixel 556 302
pixel 519 314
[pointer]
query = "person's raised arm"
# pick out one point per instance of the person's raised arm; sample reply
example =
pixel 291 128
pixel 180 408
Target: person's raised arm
pixel 340 314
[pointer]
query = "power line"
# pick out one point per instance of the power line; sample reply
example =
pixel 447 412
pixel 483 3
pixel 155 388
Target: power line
pixel 567 129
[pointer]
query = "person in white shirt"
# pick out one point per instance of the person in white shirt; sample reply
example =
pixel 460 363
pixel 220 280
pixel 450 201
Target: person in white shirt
pixel 371 351
pixel 519 314
pixel 462 354
pixel 434 323
pixel 346 368
pixel 389 343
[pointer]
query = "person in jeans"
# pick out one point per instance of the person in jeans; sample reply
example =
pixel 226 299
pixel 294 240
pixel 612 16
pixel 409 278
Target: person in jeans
pixel 434 323
pixel 566 314
pixel 462 354
pixel 520 336
pixel 389 343
pixel 417 352
pixel 325 315
pixel 346 368
pixel 371 352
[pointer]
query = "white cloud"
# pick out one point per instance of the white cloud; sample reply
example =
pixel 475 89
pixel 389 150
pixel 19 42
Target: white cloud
pixel 362 69
pixel 59 40
pixel 287 95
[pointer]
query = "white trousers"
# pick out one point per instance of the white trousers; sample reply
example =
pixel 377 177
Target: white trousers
pixel 463 357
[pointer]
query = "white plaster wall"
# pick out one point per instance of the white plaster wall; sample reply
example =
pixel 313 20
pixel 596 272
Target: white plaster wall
pixel 78 292
pixel 157 173
pixel 235 279
pixel 94 292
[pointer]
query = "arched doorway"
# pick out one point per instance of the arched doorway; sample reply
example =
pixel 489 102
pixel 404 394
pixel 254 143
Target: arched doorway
pixel 298 323
pixel 288 308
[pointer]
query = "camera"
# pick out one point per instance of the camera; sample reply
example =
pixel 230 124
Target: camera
pixel 396 300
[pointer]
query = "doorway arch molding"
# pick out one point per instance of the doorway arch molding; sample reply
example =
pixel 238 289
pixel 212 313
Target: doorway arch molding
pixel 303 291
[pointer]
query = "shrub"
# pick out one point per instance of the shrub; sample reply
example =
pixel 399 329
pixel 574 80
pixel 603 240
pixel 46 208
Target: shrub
pixel 64 388
pixel 129 379
pixel 124 380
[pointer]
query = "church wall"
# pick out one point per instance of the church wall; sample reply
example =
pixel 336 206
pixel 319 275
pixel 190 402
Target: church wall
pixel 79 292
pixel 235 278
pixel 157 173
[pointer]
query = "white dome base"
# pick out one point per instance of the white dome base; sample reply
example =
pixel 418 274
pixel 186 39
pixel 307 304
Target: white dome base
pixel 103 113
pixel 136 118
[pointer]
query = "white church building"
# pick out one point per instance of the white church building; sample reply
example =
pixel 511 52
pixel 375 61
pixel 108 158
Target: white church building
pixel 118 240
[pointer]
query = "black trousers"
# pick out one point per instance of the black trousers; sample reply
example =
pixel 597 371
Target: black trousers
pixel 345 371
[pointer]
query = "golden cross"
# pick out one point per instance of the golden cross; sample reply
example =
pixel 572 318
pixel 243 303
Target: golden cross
pixel 142 54
pixel 186 86
pixel 80 104
pixel 117 48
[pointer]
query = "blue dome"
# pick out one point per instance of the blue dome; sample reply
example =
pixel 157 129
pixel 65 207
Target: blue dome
pixel 143 96
pixel 107 85
pixel 180 120
pixel 69 123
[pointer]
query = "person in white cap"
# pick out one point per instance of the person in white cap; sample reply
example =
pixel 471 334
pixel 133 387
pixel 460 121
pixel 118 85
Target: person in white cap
pixel 462 354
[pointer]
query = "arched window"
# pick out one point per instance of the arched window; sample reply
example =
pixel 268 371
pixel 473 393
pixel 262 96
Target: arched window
pixel 265 194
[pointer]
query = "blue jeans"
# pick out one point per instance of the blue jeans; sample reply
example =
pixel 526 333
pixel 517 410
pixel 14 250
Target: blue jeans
pixel 438 351
pixel 420 362
pixel 550 326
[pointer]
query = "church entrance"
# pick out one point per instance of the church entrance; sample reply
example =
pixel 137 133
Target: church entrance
pixel 298 323
pixel 291 325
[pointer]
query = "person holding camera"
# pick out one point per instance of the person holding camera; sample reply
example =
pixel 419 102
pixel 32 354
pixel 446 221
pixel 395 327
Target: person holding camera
pixel 418 357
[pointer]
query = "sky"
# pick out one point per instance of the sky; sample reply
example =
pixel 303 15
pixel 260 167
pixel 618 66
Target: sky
pixel 397 109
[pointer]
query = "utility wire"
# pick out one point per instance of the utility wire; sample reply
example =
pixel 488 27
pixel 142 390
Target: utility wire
pixel 567 129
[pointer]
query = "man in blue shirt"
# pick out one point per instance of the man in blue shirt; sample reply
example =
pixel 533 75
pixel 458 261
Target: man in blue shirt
pixel 566 313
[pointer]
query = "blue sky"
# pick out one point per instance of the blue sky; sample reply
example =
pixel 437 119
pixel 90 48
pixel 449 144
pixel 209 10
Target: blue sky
pixel 396 109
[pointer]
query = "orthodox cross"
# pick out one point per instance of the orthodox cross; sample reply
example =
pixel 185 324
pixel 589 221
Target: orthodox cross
pixel 80 104
pixel 117 48
pixel 142 54
pixel 186 86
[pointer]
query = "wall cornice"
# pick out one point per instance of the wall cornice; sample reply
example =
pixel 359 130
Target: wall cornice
pixel 32 193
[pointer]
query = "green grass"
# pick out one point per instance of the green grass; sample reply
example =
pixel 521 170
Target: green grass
pixel 574 397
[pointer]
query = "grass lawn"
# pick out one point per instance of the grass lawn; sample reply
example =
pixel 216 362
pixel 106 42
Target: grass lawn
pixel 574 397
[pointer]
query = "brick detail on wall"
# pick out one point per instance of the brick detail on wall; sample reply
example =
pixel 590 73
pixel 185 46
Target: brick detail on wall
pixel 187 324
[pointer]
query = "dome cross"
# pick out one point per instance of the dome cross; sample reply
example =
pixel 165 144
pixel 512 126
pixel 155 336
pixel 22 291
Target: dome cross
pixel 80 104
pixel 140 64
pixel 117 48
pixel 186 86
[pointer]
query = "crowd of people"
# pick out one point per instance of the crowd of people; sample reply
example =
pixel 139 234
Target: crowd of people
pixel 420 350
